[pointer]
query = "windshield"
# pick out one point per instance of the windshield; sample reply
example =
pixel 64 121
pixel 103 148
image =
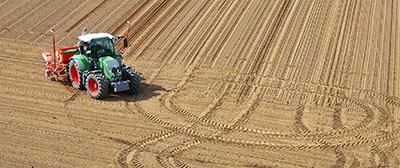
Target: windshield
pixel 106 45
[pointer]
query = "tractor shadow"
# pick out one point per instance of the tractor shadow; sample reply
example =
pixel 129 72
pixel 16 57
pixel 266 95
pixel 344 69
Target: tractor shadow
pixel 147 92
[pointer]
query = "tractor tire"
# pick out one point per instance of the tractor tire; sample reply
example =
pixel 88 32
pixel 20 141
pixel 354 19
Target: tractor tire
pixel 134 78
pixel 97 86
pixel 75 76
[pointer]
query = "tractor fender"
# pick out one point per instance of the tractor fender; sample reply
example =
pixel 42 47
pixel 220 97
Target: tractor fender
pixel 81 61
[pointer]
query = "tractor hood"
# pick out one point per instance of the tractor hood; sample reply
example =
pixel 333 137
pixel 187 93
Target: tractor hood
pixel 111 68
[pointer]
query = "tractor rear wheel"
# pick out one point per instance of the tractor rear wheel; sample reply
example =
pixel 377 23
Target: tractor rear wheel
pixel 97 86
pixel 134 78
pixel 75 75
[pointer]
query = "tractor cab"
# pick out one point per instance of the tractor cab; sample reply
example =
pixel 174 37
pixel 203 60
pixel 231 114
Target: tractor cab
pixel 102 47
pixel 97 45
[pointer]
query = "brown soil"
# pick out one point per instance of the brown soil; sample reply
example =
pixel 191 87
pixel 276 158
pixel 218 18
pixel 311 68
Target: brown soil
pixel 227 83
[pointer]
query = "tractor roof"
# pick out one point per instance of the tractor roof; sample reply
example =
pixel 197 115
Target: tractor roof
pixel 89 37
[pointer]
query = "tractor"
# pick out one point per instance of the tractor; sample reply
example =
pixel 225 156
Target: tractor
pixel 94 64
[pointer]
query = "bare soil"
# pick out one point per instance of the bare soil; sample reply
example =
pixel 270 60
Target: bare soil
pixel 230 83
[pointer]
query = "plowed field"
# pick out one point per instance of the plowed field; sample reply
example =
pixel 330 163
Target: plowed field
pixel 226 83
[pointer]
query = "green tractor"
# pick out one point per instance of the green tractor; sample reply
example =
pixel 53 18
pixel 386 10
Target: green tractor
pixel 94 65
pixel 98 68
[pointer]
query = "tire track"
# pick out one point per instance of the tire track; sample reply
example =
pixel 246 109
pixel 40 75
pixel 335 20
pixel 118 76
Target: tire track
pixel 141 10
pixel 143 23
pixel 130 145
pixel 223 37
pixel 337 121
pixel 232 29
pixel 198 45
pixel 355 163
pixel 304 46
pixel 242 60
pixel 352 47
pixel 329 60
pixel 317 25
pixel 180 85
pixel 383 158
pixel 282 73
pixel 340 156
pixel 273 61
pixel 192 133
pixel 175 42
pixel 279 50
pixel 45 18
pixel 74 26
pixel 388 151
pixel 29 14
pixel 166 10
pixel 123 158
pixel 339 62
pixel 172 104
pixel 310 87
pixel 299 125
pixel 240 118
pixel 80 21
pixel 125 153
pixel 244 40
pixel 4 2
pixel 170 36
pixel 129 154
pixel 362 126
pixel 193 118
pixel 107 17
pixel 62 20
pixel 301 43
pixel 46 132
pixel 272 31
pixel 22 91
pixel 14 11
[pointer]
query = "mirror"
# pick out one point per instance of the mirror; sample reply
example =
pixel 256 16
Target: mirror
pixel 125 42
pixel 81 49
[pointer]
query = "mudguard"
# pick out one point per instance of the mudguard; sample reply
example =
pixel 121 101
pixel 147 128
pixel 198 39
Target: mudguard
pixel 81 61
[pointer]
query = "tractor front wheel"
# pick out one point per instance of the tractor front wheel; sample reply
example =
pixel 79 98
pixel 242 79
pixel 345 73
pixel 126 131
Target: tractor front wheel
pixel 97 86
pixel 75 75
pixel 134 78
